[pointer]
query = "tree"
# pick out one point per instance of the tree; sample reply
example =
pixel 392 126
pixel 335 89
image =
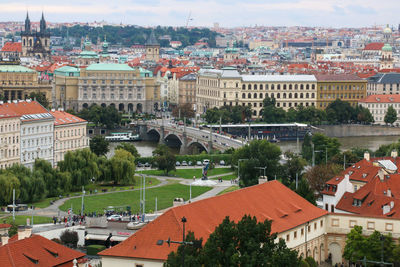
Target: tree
pixel 130 148
pixel 259 153
pixel 7 184
pixel 184 110
pixel 192 253
pixel 391 115
pixel 271 113
pixel 99 145
pixel 245 243
pixel 294 165
pixel 123 167
pixel 340 111
pixel 324 147
pixel 318 175
pixel 304 190
pixel 164 158
pixel 364 115
pixel 69 238
pixel 41 98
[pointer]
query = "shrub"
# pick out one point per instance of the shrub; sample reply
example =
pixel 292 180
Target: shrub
pixel 69 238
pixel 311 262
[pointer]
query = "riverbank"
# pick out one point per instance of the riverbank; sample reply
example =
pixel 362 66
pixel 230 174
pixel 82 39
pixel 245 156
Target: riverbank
pixel 356 130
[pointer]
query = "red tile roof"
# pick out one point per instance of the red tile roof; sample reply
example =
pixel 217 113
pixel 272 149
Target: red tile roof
pixel 12 47
pixel 5 225
pixel 271 200
pixel 36 248
pixel 62 117
pixel 337 77
pixel 381 99
pixel 374 46
pixel 25 107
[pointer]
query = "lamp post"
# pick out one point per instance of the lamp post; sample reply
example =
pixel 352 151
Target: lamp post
pixel 262 168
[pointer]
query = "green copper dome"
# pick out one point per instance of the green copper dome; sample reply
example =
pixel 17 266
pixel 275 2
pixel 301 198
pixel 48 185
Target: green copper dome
pixel 387 47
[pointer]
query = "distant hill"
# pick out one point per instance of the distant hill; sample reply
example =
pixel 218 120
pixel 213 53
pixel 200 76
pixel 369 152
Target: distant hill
pixel 131 35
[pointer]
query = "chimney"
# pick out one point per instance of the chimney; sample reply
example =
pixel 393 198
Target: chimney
pixel 1 102
pixel 389 192
pixel 262 179
pixel 24 232
pixel 366 155
pixel 4 239
pixel 394 154
pixel 381 175
pixel 53 110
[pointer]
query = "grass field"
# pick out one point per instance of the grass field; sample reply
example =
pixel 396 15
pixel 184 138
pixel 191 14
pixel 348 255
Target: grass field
pixel 229 189
pixel 149 182
pixel 227 177
pixel 164 194
pixel 21 219
pixel 188 173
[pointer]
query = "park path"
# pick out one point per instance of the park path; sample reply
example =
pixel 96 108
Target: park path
pixel 54 209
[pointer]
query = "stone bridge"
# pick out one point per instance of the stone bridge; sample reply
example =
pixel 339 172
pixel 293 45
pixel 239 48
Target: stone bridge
pixel 188 139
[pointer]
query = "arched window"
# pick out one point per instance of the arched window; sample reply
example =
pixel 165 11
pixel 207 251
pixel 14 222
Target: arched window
pixel 301 96
pixel 261 96
pixel 249 86
pixel 261 86
pixel 255 87
pixel 284 95
pixel 278 87
pixel 295 87
pixel 243 86
pixel 248 95
pixel 307 86
pixel 301 86
pixel 284 87
pixel 255 95
pixel 243 95
pixel 307 95
pixel 278 95
pixel 290 87
pixel 295 95
pixel 312 95
pixel 290 95
pixel 272 95
pixel 313 86
pixel 266 87
pixel 272 87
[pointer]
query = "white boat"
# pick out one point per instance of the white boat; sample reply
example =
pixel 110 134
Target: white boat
pixel 122 137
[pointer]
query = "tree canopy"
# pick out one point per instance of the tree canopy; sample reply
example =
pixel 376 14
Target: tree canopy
pixel 164 158
pixel 245 243
pixel 131 148
pixel 99 145
pixel 391 115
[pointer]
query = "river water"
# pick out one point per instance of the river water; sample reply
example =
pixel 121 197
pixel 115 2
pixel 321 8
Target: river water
pixel 146 148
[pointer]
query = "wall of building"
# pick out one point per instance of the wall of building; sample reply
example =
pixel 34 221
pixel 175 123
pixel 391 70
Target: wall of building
pixel 127 262
pixel 358 130
pixel 9 141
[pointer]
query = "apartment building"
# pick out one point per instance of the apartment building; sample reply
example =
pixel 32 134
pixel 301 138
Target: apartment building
pixel 187 89
pixel 346 87
pixel 216 88
pixel 379 104
pixel 9 137
pixel 69 134
pixel 384 84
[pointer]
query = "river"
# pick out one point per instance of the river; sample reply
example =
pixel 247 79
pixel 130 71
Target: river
pixel 146 148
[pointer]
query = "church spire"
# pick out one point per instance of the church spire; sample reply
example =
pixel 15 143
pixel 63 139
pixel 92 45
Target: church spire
pixel 42 24
pixel 27 23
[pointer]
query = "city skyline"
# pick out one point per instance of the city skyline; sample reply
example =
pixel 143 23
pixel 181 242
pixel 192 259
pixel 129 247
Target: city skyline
pixel 329 13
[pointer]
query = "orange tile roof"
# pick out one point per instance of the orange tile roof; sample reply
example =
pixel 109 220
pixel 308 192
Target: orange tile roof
pixel 5 225
pixel 12 47
pixel 374 46
pixel 25 107
pixel 381 99
pixel 62 117
pixel 37 248
pixel 271 200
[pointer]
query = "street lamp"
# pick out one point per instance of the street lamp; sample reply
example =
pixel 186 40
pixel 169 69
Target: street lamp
pixel 262 168
pixel 196 244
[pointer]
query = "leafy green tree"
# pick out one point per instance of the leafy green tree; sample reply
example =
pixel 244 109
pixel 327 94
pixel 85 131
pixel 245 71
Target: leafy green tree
pixel 131 148
pixel 355 248
pixel 324 147
pixel 340 112
pixel 258 153
pixel 391 115
pixel 246 243
pixel 349 155
pixel 99 145
pixel 364 115
pixel 41 98
pixel 193 256
pixel 184 110
pixel 43 170
pixel 7 184
pixel 164 158
pixel 123 167
pixel 82 166
pixel 294 165
pixel 271 113
pixel 304 190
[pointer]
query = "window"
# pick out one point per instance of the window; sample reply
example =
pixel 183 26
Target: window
pixel 315 226
pixel 302 231
pixel 287 238
pixel 371 225
pixel 352 223
pixel 321 223
pixel 335 222
pixel 389 226
pixel 295 235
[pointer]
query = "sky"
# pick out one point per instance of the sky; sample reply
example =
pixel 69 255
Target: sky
pixel 228 13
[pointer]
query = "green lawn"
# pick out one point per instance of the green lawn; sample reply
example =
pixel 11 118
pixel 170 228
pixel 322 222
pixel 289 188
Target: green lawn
pixel 164 194
pixel 21 219
pixel 229 189
pixel 188 173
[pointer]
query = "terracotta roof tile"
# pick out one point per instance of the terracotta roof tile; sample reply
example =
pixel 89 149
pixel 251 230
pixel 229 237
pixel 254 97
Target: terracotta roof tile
pixel 271 200
pixel 12 47
pixel 62 117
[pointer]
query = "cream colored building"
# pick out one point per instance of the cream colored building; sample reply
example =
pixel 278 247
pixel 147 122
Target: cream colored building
pixel 226 87
pixel 9 137
pixel 105 84
pixel 69 134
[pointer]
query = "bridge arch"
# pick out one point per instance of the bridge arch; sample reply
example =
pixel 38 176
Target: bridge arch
pixel 173 140
pixel 154 134
pixel 196 147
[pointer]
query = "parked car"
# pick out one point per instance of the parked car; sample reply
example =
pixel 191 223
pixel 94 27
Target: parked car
pixel 140 164
pixel 206 161
pixel 147 164
pixel 198 163
pixel 114 217
pixel 177 163
pixel 190 163
pixel 184 163
pixel 222 163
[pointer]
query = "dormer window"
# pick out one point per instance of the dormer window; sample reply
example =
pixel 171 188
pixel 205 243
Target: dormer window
pixel 364 175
